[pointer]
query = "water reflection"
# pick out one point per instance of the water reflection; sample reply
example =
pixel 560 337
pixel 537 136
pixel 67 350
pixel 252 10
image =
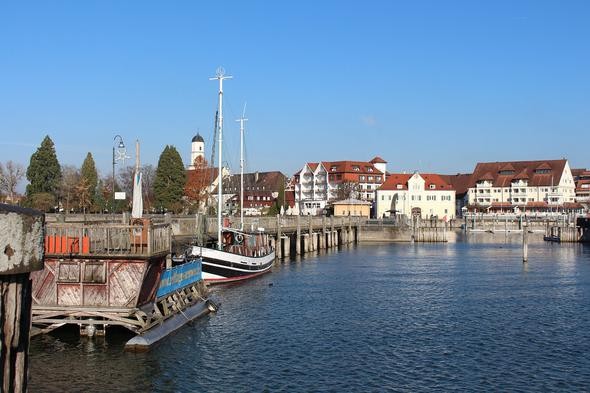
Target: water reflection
pixel 455 316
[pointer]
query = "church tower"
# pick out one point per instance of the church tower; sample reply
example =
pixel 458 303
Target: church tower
pixel 197 150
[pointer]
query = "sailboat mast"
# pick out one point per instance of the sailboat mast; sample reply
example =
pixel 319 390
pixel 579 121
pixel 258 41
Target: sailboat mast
pixel 220 76
pixel 242 120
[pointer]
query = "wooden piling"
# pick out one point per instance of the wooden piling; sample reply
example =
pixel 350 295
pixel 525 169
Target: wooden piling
pixel 525 245
pixel 21 252
pixel 298 236
pixel 279 248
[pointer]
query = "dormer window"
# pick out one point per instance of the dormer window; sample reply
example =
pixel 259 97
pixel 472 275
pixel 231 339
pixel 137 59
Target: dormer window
pixel 542 171
pixel 432 186
pixel 356 168
pixel 506 172
pixel 399 186
pixel 333 169
pixel 369 169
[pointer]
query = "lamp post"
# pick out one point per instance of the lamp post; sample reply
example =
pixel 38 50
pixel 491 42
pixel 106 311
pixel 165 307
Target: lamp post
pixel 120 156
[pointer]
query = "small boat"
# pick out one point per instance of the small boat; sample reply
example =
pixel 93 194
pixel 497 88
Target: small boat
pixel 236 255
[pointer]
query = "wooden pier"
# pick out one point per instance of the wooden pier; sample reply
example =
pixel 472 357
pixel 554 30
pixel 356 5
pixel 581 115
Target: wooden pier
pixel 569 232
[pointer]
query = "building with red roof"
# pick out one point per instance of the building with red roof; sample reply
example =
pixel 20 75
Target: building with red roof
pixel 522 186
pixel 582 179
pixel 422 194
pixel 319 183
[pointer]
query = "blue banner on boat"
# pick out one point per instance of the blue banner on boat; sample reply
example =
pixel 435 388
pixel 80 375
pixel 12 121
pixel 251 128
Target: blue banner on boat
pixel 179 276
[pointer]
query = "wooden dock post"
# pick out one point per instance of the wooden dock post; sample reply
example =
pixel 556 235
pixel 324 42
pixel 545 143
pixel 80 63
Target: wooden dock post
pixel 525 245
pixel 323 235
pixel 21 252
pixel 298 236
pixel 286 240
pixel 279 248
pixel 310 231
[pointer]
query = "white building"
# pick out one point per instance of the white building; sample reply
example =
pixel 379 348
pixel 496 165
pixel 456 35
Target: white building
pixel 197 150
pixel 520 186
pixel 317 184
pixel 420 194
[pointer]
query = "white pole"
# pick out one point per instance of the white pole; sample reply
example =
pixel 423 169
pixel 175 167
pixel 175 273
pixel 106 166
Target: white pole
pixel 220 76
pixel 242 120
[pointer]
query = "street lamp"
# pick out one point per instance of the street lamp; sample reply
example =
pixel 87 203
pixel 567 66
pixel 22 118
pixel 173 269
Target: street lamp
pixel 120 156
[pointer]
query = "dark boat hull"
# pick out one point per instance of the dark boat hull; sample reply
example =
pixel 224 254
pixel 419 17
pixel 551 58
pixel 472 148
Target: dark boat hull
pixel 222 267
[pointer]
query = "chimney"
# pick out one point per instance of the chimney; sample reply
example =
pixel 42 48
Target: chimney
pixel 256 177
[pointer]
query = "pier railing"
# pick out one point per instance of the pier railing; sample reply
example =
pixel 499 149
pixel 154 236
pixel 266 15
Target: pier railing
pixel 107 239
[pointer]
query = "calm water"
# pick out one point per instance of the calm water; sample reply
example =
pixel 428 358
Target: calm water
pixel 400 317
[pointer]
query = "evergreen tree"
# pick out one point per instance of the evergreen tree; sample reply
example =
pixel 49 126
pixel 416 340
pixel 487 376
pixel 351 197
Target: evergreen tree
pixel 170 180
pixel 44 171
pixel 89 176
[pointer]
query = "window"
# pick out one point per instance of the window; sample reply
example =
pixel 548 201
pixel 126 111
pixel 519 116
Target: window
pixel 361 177
pixel 69 272
pixel 432 186
pixel 94 272
pixel 507 172
pixel 333 169
pixel 369 178
pixel 542 171
pixel 356 168
pixel 382 197
pixel 399 186
pixel 368 186
pixel 369 169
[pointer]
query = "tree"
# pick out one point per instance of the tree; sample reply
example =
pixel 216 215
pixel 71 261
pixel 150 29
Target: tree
pixel 89 175
pixel 148 175
pixel 44 172
pixel 10 175
pixel 67 190
pixel 198 180
pixel 170 180
pixel 125 179
pixel 84 194
pixel 43 201
pixel 347 190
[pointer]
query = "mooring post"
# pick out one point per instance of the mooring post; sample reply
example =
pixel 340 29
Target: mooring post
pixel 21 252
pixel 525 245
pixel 278 243
pixel 310 224
pixel 332 238
pixel 323 236
pixel 298 236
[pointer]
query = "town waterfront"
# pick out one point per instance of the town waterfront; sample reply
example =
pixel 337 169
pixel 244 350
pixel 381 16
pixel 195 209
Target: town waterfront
pixel 373 317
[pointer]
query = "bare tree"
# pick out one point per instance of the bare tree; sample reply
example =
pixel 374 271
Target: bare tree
pixel 10 176
pixel 347 190
pixel 69 182
pixel 148 173
pixel 83 194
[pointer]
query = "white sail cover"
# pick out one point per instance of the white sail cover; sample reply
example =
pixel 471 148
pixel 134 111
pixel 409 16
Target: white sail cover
pixel 137 209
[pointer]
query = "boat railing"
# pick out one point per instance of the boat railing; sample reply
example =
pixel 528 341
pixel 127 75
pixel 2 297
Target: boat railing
pixel 107 239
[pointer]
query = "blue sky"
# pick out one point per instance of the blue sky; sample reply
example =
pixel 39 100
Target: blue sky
pixel 427 85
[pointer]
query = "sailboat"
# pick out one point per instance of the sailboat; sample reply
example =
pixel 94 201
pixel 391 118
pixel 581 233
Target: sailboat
pixel 236 255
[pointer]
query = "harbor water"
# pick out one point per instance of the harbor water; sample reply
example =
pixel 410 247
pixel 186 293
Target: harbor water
pixel 465 316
